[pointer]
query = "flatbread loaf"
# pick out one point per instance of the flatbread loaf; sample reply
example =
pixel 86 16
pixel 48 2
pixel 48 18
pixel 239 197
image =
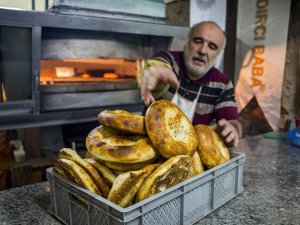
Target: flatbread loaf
pixel 170 131
pixel 108 144
pixel 211 148
pixel 73 171
pixel 67 153
pixel 127 166
pixel 123 120
pixel 126 186
pixel 198 167
pixel 105 172
pixel 174 171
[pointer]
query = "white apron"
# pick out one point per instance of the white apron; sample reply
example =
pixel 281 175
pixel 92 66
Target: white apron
pixel 186 106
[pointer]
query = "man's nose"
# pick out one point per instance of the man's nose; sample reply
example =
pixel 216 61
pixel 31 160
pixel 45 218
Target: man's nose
pixel 203 49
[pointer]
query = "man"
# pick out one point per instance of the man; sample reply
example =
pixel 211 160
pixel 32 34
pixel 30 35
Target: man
pixel 189 80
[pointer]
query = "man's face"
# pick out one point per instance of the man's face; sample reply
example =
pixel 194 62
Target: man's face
pixel 202 49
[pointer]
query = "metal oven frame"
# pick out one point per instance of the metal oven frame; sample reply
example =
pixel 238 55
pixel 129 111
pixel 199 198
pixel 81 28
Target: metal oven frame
pixel 28 113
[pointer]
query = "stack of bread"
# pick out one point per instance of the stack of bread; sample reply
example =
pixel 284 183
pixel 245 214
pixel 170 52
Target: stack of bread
pixel 131 157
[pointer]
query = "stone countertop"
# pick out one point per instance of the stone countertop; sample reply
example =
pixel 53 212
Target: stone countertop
pixel 271 182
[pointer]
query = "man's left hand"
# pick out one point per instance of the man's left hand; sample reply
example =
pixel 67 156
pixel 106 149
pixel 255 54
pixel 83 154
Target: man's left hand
pixel 228 132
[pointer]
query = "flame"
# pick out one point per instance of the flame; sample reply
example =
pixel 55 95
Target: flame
pixel 110 75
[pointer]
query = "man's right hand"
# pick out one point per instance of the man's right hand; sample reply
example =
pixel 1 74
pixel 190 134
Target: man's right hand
pixel 155 79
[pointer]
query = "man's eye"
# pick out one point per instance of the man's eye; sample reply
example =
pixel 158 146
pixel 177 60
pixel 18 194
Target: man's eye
pixel 213 46
pixel 198 40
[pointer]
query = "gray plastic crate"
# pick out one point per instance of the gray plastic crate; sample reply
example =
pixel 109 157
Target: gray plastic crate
pixel 185 203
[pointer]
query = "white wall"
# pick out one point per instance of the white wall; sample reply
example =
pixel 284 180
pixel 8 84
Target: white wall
pixel 25 4
pixel 209 10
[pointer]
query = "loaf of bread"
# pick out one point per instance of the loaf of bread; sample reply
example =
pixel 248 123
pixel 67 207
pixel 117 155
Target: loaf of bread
pixel 127 185
pixel 67 153
pixel 170 131
pixel 106 173
pixel 171 172
pixel 74 172
pixel 108 144
pixel 123 120
pixel 211 148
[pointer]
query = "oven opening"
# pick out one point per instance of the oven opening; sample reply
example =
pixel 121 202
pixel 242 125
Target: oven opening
pixel 70 84
pixel 88 71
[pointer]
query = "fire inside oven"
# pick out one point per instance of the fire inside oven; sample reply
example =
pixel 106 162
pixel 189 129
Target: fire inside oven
pixel 88 71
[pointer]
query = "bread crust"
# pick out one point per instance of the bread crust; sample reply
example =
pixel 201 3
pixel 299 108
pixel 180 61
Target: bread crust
pixel 105 172
pixel 67 153
pixel 211 148
pixel 73 171
pixel 127 184
pixel 127 166
pixel 123 120
pixel 174 171
pixel 108 144
pixel 197 163
pixel 170 131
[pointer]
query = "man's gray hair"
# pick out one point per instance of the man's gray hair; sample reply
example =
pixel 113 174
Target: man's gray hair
pixel 192 29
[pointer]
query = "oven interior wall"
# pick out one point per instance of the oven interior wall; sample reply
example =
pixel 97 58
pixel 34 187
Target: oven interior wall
pixel 71 44
pixel 106 51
